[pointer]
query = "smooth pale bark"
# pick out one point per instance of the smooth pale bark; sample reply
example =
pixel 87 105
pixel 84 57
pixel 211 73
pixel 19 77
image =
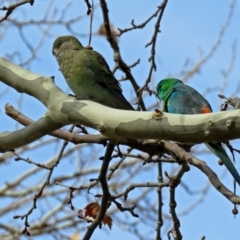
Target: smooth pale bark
pixel 115 124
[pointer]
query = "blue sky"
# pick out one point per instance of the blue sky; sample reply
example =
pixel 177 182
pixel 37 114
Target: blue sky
pixel 187 28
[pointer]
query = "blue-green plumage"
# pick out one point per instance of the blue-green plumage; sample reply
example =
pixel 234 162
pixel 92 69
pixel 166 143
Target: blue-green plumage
pixel 182 99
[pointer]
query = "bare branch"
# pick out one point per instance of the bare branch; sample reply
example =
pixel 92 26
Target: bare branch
pixel 12 7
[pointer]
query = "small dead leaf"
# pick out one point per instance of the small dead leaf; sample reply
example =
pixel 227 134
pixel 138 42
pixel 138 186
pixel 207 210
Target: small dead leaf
pixel 107 220
pixel 92 209
pixel 114 31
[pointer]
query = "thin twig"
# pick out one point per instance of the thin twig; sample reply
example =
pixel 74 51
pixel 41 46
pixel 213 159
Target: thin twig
pixel 153 50
pixel 12 7
pixel 90 28
pixel 139 26
pixel 197 67
pixel 160 204
pixel 38 195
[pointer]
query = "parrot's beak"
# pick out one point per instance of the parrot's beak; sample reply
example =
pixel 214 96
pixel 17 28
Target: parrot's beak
pixel 53 53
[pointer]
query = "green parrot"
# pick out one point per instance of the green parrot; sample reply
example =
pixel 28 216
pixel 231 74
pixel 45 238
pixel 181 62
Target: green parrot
pixel 89 77
pixel 88 74
pixel 182 99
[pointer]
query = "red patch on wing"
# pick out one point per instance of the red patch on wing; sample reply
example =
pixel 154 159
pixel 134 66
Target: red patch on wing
pixel 206 109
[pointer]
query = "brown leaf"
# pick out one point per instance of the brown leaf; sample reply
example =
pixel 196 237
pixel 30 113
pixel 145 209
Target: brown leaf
pixel 92 209
pixel 114 31
pixel 107 220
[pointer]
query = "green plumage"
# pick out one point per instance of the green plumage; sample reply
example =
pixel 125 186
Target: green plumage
pixel 88 74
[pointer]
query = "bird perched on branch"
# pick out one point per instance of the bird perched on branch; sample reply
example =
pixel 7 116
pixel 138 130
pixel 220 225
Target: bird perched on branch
pixel 182 99
pixel 89 77
pixel 87 73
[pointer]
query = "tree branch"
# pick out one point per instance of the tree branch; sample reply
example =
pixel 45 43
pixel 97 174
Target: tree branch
pixel 12 7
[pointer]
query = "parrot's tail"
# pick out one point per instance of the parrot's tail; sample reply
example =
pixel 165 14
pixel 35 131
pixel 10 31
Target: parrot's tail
pixel 219 151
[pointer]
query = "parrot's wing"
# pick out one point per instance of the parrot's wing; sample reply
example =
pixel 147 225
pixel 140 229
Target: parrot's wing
pixel 104 75
pixel 184 100
pixel 105 78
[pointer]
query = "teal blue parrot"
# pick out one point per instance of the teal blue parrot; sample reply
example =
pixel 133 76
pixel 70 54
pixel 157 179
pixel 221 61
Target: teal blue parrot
pixel 182 99
pixel 88 74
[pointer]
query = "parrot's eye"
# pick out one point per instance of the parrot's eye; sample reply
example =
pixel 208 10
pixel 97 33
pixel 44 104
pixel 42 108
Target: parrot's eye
pixel 58 44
